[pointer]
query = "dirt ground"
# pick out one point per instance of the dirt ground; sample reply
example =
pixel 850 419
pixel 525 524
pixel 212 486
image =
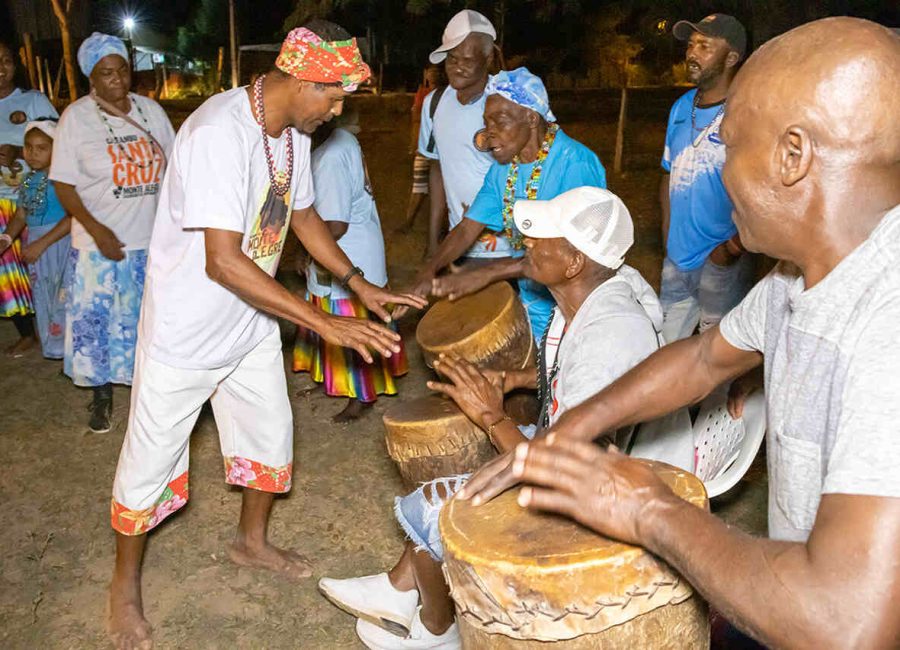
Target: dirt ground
pixel 56 547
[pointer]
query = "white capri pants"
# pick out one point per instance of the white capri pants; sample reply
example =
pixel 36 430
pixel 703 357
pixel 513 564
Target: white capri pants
pixel 253 414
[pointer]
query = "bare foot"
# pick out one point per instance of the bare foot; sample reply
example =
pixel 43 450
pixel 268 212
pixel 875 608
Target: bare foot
pixel 126 625
pixel 288 563
pixel 20 347
pixel 353 411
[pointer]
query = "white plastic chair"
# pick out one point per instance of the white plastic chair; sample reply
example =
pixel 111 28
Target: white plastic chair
pixel 724 447
pixel 669 439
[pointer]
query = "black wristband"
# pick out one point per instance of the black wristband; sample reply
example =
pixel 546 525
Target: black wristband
pixel 345 281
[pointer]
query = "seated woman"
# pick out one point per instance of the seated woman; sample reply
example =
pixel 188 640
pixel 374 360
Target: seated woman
pixel 606 321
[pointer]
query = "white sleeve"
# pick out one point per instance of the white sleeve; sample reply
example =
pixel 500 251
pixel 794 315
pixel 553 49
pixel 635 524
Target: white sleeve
pixel 214 172
pixel 607 349
pixel 306 193
pixel 866 453
pixel 331 177
pixel 65 165
pixel 426 128
pixel 744 327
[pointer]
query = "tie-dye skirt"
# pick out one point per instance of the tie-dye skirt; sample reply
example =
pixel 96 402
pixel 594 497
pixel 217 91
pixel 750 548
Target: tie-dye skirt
pixel 342 371
pixel 102 311
pixel 15 288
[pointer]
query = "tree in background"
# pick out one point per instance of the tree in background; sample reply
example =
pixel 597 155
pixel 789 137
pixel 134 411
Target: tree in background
pixel 62 13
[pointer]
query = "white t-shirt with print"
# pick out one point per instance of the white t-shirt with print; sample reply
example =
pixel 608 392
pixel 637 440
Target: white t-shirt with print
pixel 218 178
pixel 113 167
pixel 344 193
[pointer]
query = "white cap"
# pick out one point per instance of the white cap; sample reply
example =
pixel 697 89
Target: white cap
pixel 593 220
pixel 47 126
pixel 461 25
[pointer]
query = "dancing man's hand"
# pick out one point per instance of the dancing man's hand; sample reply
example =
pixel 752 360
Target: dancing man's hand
pixel 376 300
pixel 476 395
pixel 462 283
pixel 361 335
pixel 421 288
pixel 606 491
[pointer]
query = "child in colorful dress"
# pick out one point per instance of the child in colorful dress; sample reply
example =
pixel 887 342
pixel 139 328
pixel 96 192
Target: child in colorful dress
pixel 42 225
pixel 345 202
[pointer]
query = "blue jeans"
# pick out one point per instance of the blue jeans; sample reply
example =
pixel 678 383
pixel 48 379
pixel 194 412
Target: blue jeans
pixel 418 512
pixel 701 296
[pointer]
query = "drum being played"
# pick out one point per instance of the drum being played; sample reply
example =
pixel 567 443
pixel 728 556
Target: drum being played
pixel 521 578
pixel 488 328
pixel 430 437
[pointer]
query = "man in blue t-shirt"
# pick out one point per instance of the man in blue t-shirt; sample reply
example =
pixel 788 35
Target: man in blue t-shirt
pixel 534 160
pixel 705 271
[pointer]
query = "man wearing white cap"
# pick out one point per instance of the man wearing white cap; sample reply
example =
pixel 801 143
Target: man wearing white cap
pixel 450 118
pixel 606 322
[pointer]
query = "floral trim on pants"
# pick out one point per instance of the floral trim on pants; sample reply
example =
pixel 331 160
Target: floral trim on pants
pixel 248 473
pixel 138 522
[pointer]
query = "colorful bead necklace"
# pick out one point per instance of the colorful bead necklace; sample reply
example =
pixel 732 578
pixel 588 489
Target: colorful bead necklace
pixel 112 135
pixel 279 179
pixel 531 187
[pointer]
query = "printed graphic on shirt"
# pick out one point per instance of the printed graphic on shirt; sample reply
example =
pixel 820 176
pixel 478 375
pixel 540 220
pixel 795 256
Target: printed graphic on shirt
pixel 137 167
pixel 269 231
pixel 706 158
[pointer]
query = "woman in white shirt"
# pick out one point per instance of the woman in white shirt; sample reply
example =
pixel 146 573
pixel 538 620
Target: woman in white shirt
pixel 108 163
pixel 17 108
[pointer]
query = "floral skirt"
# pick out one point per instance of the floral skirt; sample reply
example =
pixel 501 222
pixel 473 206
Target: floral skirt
pixel 343 372
pixel 102 311
pixel 15 288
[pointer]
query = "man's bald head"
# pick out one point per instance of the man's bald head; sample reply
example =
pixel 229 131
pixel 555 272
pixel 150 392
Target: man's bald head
pixel 814 107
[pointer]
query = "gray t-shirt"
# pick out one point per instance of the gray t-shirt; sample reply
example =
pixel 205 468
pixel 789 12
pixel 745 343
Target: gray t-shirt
pixel 832 378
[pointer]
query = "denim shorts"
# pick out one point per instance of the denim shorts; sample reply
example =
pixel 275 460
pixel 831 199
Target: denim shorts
pixel 418 512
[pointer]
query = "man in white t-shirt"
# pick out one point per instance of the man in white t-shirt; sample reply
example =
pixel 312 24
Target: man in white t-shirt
pixel 457 167
pixel 238 179
pixel 819 189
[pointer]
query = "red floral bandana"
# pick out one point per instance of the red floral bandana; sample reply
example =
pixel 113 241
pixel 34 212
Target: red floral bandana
pixel 306 56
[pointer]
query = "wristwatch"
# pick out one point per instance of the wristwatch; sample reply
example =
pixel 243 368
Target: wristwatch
pixel 345 281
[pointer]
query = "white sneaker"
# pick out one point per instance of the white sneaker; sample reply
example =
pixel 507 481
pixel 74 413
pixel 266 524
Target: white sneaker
pixel 374 599
pixel 419 637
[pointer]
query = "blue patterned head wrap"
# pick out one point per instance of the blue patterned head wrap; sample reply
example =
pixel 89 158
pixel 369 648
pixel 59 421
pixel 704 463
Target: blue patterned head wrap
pixel 95 47
pixel 523 88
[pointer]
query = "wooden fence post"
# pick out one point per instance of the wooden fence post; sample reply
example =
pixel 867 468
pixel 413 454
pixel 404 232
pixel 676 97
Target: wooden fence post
pixel 29 59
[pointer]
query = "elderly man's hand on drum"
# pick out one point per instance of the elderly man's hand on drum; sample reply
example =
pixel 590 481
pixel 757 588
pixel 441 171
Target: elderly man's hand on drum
pixel 606 491
pixel 478 396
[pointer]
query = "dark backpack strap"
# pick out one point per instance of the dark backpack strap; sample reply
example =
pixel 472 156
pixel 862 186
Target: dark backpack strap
pixel 432 109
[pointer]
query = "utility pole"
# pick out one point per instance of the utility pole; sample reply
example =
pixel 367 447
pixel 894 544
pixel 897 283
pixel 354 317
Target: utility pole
pixel 232 37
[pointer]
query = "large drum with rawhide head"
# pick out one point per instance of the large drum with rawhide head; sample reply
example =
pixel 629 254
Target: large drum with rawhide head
pixel 489 329
pixel 430 437
pixel 521 579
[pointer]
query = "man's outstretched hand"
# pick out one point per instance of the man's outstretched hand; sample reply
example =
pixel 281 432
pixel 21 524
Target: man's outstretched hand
pixel 376 300
pixel 462 283
pixel 360 334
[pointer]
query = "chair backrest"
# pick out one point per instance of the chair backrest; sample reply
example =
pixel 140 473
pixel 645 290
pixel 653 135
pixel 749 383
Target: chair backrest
pixel 724 448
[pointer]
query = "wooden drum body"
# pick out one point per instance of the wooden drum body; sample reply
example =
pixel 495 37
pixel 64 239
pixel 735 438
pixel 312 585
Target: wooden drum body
pixel 488 328
pixel 430 437
pixel 521 579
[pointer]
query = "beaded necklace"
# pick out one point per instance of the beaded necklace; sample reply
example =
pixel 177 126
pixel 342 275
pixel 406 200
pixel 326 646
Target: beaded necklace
pixel 140 165
pixel 531 187
pixel 279 179
pixel 34 203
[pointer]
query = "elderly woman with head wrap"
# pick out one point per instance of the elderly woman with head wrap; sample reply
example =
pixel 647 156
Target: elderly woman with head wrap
pixel 108 163
pixel 17 108
pixel 534 159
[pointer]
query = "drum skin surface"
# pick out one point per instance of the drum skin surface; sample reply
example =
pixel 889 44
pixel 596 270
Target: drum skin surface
pixel 488 328
pixel 521 578
pixel 430 438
